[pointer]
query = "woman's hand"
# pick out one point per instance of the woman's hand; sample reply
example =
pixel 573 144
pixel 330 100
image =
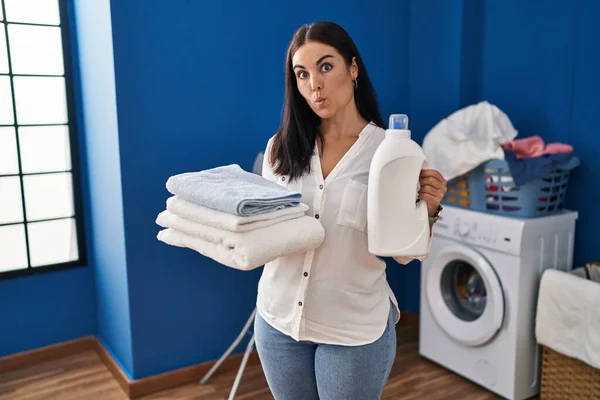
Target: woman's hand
pixel 433 189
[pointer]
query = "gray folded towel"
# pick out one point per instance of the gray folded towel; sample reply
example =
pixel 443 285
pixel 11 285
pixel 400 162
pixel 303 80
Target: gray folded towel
pixel 231 189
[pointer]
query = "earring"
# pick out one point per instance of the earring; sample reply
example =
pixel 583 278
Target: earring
pixel 355 83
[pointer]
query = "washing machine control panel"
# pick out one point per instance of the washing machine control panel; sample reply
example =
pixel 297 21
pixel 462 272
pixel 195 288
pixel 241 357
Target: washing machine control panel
pixel 475 232
pixel 503 234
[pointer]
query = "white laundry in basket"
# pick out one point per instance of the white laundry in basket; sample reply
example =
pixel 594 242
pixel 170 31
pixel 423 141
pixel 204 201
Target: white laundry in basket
pixel 467 138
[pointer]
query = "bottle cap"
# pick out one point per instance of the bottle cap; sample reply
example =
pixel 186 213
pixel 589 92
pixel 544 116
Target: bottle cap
pixel 398 121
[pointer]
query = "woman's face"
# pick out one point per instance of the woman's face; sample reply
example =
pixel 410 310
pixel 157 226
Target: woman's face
pixel 323 78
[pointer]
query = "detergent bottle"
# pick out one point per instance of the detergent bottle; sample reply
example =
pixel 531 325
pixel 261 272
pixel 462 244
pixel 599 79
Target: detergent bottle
pixel 396 224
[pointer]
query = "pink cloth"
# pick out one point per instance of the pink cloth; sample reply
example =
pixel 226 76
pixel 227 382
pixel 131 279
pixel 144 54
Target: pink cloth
pixel 534 146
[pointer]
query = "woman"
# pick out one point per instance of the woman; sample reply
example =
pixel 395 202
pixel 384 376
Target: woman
pixel 325 327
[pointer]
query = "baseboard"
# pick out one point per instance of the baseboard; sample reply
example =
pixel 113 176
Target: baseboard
pixel 140 387
pixel 47 353
pixel 183 376
pixel 113 367
pixel 156 383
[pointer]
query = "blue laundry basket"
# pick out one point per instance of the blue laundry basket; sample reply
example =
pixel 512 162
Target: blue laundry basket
pixel 490 188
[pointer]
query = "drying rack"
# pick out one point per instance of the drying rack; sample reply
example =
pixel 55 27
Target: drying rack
pixel 249 348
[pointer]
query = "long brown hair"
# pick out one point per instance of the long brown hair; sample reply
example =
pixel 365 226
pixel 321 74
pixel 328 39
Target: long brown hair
pixel 294 143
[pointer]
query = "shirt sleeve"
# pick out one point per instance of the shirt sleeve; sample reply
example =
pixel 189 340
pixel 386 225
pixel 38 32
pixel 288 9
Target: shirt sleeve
pixel 267 170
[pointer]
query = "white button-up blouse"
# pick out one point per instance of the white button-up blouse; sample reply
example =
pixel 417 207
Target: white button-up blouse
pixel 338 293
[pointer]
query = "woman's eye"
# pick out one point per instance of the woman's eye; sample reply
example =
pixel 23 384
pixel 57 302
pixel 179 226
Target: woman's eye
pixel 302 74
pixel 326 67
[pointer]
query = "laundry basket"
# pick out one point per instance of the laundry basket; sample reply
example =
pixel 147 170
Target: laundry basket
pixel 490 188
pixel 564 377
pixel 566 328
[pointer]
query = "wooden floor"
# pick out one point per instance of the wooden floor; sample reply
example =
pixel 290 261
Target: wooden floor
pixel 84 376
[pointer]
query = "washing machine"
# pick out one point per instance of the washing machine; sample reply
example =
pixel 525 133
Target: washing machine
pixel 479 289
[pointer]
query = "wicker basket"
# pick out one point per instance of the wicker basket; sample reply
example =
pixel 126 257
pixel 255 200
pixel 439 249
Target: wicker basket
pixel 566 378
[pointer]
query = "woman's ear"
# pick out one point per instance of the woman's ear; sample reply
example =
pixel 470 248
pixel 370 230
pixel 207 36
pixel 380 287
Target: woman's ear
pixel 354 68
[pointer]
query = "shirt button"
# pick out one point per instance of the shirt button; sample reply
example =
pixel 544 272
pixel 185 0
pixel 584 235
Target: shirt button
pixel 317 216
pixel 300 303
pixel 306 274
pixel 321 187
pixel 283 178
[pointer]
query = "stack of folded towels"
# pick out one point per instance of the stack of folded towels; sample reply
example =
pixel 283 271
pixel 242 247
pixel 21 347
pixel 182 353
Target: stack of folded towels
pixel 236 218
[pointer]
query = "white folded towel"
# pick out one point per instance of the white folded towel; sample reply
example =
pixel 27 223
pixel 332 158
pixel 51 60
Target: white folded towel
pixel 242 250
pixel 231 222
pixel 568 316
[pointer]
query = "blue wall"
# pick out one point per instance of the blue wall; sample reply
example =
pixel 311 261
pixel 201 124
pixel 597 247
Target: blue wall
pixel 536 61
pixel 97 113
pixel 45 309
pixel 200 85
pixel 583 131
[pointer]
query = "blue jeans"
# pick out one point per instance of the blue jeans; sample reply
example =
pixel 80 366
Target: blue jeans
pixel 311 371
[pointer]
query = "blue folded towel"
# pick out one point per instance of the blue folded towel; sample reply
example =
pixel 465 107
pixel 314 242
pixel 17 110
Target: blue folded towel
pixel 232 190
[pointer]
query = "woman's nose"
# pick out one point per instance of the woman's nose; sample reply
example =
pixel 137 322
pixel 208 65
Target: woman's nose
pixel 316 84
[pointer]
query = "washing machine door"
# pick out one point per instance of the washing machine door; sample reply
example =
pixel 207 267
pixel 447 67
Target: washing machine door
pixel 464 295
